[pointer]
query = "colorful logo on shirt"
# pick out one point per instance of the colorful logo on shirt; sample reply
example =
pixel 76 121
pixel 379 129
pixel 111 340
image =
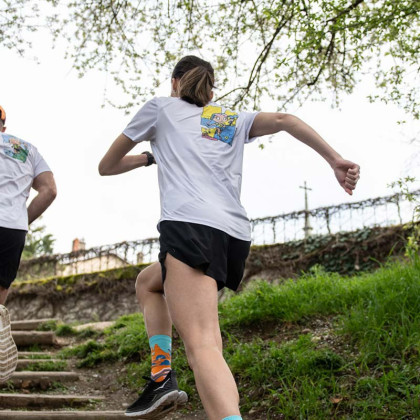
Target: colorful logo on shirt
pixel 15 148
pixel 218 124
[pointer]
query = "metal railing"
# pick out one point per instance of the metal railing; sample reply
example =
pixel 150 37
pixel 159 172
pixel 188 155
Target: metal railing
pixel 380 211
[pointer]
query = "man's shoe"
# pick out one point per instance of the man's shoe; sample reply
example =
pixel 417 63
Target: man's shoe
pixel 158 399
pixel 8 350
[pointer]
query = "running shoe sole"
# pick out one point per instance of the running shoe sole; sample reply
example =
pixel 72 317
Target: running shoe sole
pixel 8 350
pixel 165 405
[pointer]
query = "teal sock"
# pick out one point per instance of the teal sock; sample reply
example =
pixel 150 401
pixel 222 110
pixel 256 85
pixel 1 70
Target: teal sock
pixel 233 418
pixel 160 346
pixel 163 341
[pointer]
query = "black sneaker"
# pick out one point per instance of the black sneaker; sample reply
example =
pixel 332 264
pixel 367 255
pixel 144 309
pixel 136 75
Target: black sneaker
pixel 158 399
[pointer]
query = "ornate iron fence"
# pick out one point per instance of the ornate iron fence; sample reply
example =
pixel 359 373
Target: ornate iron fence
pixel 380 211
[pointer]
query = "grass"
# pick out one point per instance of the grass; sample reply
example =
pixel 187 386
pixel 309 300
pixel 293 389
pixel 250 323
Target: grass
pixel 66 330
pixel 50 325
pixel 37 356
pixel 47 366
pixel 363 365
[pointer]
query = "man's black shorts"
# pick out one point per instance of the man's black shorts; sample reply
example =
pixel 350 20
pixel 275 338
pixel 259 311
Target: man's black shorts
pixel 211 250
pixel 12 242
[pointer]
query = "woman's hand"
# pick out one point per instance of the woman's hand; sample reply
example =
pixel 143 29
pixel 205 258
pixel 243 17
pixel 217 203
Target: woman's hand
pixel 347 174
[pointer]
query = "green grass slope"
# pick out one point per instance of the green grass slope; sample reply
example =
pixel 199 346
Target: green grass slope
pixel 319 347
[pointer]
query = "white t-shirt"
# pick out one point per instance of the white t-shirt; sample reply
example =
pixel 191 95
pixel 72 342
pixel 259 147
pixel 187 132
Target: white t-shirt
pixel 199 153
pixel 20 163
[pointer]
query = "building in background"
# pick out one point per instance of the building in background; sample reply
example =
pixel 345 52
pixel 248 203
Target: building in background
pixel 85 263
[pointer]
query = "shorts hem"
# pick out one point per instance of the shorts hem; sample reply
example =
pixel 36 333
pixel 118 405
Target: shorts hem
pixel 5 284
pixel 206 271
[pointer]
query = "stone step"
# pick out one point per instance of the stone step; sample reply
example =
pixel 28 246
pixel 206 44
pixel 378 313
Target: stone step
pixel 41 380
pixel 28 338
pixel 34 354
pixel 24 363
pixel 30 324
pixel 58 415
pixel 44 401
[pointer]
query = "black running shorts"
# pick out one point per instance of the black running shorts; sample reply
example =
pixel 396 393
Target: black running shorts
pixel 211 250
pixel 12 242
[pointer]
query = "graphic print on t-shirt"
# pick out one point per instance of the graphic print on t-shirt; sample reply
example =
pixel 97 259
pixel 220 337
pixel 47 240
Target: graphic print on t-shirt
pixel 218 124
pixel 15 148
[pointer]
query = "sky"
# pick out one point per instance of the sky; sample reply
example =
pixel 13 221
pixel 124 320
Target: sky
pixel 63 116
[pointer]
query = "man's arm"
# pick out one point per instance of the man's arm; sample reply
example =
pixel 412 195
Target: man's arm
pixel 115 160
pixel 47 191
pixel 346 172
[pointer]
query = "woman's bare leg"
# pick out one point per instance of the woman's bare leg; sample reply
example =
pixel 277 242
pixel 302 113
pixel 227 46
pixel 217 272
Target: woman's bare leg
pixel 3 295
pixel 149 291
pixel 193 305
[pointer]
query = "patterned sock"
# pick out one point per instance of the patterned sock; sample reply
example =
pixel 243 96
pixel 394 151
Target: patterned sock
pixel 160 346
pixel 233 418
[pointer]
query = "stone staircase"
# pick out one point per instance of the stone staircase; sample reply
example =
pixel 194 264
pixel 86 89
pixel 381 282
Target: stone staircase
pixel 32 394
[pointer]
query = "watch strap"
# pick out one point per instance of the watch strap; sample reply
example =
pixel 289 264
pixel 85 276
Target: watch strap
pixel 150 158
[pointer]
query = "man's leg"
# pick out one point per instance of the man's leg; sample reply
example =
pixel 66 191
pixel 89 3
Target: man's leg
pixel 193 305
pixel 12 242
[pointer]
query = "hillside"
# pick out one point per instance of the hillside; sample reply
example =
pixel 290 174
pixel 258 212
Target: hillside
pixel 105 295
pixel 320 347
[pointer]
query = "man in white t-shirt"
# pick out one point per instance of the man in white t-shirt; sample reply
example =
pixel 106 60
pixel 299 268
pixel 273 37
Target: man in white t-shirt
pixel 21 168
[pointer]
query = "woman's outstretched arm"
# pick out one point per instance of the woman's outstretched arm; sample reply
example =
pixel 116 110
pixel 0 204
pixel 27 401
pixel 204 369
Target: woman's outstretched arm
pixel 346 172
pixel 115 160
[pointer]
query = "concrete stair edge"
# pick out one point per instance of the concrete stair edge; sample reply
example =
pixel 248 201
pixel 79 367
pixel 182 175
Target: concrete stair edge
pixel 27 338
pixel 30 324
pixel 57 415
pixel 45 400
pixel 53 374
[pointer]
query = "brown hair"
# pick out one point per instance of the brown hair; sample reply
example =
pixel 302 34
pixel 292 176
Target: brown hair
pixel 196 80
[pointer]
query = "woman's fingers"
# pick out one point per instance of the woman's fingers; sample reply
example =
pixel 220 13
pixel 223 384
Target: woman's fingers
pixel 348 174
pixel 354 171
pixel 350 181
pixel 350 185
pixel 352 177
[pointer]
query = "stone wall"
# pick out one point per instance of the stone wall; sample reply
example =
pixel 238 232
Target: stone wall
pixel 106 295
pixel 100 296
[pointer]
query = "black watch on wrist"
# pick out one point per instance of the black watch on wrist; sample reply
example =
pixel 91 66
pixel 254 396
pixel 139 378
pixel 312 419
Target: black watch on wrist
pixel 150 158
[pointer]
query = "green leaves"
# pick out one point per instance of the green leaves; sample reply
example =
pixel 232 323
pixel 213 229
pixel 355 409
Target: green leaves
pixel 38 242
pixel 288 50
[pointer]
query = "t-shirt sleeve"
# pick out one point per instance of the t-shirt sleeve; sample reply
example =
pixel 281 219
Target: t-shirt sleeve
pixel 39 163
pixel 143 125
pixel 247 121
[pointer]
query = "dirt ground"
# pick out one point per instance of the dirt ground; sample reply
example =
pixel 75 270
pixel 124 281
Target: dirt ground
pixel 103 379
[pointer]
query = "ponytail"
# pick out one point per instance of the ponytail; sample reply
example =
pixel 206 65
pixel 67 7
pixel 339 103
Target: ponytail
pixel 196 80
pixel 195 86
